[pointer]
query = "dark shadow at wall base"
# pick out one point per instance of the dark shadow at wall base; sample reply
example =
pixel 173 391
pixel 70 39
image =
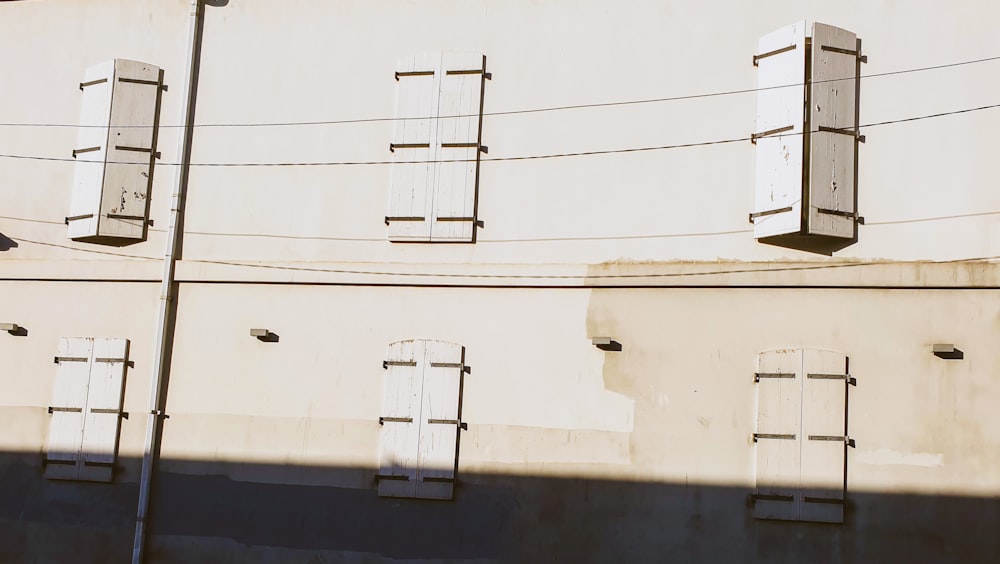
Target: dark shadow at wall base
pixel 201 514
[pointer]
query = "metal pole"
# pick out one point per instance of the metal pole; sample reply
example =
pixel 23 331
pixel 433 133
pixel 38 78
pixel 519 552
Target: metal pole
pixel 163 332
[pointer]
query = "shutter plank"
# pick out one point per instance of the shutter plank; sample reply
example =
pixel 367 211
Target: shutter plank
pixel 104 404
pixel 824 407
pixel 69 398
pixel 778 174
pixel 88 171
pixel 778 415
pixel 412 175
pixel 399 440
pixel 439 420
pixel 131 144
pixel 455 195
pixel 832 155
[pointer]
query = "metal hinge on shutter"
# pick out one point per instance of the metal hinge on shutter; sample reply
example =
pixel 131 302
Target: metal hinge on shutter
pixel 461 424
pixel 789 437
pixel 834 438
pixel 382 420
pixel 846 377
pixel 400 477
pixel 118 412
pixel 58 359
pixel 388 363
pixel 758 375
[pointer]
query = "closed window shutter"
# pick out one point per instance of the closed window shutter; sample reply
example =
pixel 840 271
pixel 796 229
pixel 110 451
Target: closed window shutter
pixel 439 422
pixel 400 433
pixel 110 203
pixel 69 399
pixel 414 147
pixel 781 76
pixel 833 125
pixel 824 430
pixel 778 434
pixel 91 150
pixel 104 406
pixel 460 108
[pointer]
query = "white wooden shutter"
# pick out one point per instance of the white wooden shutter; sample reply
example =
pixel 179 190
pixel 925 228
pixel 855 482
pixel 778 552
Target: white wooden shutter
pixel 781 63
pixel 439 423
pixel 459 139
pixel 832 111
pixel 69 399
pixel 778 434
pixel 111 200
pixel 401 406
pixel 824 430
pixel 103 410
pixel 91 150
pixel 414 144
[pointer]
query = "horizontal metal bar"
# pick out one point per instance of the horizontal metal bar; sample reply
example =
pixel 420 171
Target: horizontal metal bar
pixel 758 375
pixel 772 53
pixel 842 131
pixel 772 497
pixel 110 359
pixel 105 410
pixel 101 464
pixel 840 213
pixel 414 73
pixel 460 145
pixel 443 421
pixel 755 215
pixel 773 436
pixel 394 146
pixel 453 219
pixel 447 365
pixel 828 376
pixel 388 363
pixel 87 150
pixel 755 136
pixel 437 479
pixel 121 216
pixel 76 217
pixel 58 359
pixel 395 420
pixel 58 461
pixel 389 218
pixel 133 149
pixel 92 83
pixel 469 71
pixel 66 409
pixel 839 438
pixel 840 50
pixel 392 477
pixel 139 81
pixel 829 500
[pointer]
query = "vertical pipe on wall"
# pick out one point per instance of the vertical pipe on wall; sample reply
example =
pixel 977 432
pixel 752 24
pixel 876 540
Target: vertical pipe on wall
pixel 167 287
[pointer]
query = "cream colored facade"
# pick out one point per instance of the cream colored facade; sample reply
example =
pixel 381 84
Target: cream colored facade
pixel 269 450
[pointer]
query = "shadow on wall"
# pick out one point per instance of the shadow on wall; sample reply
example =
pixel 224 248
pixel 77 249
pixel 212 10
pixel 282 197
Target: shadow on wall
pixel 6 243
pixel 201 514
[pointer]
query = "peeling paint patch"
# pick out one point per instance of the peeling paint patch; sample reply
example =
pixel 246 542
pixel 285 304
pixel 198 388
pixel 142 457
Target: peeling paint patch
pixel 889 457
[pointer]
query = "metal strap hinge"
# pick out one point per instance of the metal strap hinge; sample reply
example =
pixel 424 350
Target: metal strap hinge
pixel 758 375
pixel 137 150
pixel 139 81
pixel 66 409
pixel 842 131
pixel 92 83
pixel 460 424
pixel 58 359
pixel 482 148
pixel 414 73
pixel 394 146
pixel 853 52
pixel 755 136
pixel 834 438
pixel 382 420
pixel 389 218
pixel 119 413
pixel 87 150
pixel 846 377
pixel 830 500
pixel 757 58
pixel 110 359
pixel 388 363
pixel 392 477
pixel 437 479
pixel 773 436
pixel 847 214
pixel 772 497
pixel 755 215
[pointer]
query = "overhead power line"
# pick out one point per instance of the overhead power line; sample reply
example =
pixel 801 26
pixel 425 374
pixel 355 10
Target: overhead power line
pixel 515 158
pixel 523 111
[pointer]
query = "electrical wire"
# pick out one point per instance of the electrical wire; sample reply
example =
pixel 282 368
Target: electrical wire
pixel 528 110
pixel 515 158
